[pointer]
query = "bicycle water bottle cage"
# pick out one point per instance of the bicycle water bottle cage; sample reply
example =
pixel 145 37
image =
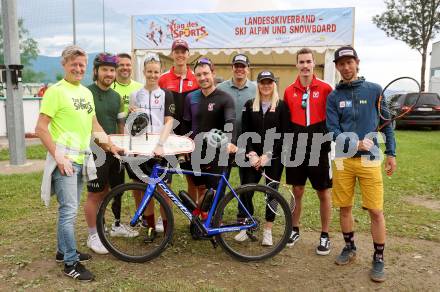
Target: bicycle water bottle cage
pixel 187 201
pixel 207 200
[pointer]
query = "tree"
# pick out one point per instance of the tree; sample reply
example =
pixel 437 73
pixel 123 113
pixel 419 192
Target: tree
pixel 28 52
pixel 414 22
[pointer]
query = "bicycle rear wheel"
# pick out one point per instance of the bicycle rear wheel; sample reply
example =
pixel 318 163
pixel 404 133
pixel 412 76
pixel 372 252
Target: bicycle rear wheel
pixel 269 208
pixel 140 243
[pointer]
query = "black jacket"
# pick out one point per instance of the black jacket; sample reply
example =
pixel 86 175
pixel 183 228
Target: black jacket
pixel 278 118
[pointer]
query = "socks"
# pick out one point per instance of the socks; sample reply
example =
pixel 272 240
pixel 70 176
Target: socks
pixel 296 229
pixel 324 234
pixel 149 219
pixel 349 239
pixel 92 231
pixel 378 251
pixel 117 222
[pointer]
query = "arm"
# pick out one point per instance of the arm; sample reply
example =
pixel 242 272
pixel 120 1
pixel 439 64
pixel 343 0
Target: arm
pixel 390 142
pixel 102 139
pixel 42 130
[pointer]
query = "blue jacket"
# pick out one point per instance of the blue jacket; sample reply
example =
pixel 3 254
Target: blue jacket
pixel 352 115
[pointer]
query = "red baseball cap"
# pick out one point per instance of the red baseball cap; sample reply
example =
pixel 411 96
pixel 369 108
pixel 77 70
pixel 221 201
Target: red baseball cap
pixel 179 43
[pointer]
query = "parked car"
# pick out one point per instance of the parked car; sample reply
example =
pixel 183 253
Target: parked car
pixel 425 113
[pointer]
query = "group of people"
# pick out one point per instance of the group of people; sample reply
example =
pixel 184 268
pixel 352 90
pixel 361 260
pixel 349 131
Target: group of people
pixel 72 114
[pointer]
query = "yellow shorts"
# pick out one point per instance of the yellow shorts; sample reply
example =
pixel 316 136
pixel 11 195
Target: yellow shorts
pixel 369 174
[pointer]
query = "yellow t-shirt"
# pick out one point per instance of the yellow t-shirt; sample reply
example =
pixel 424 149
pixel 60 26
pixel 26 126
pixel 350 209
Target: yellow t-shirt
pixel 71 109
pixel 125 91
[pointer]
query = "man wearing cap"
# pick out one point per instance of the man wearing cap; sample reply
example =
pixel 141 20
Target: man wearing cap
pixel 180 80
pixel 239 86
pixel 352 117
pixel 306 98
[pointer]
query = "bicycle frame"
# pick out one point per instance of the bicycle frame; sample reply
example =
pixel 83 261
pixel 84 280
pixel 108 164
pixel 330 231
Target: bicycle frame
pixel 156 180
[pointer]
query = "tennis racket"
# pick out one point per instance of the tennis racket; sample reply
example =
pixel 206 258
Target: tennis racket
pixel 397 99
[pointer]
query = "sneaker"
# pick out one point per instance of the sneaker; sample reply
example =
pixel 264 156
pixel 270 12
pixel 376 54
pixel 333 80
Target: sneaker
pixel 159 225
pixel 95 244
pixel 241 236
pixel 347 255
pixel 324 246
pixel 83 257
pixel 267 238
pixel 294 237
pixel 78 272
pixel 377 273
pixel 151 234
pixel 122 231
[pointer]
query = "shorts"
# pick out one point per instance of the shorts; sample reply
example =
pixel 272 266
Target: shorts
pixel 142 172
pixel 369 174
pixel 110 173
pixel 320 176
pixel 209 181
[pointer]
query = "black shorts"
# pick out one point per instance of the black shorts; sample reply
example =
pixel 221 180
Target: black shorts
pixel 209 181
pixel 110 173
pixel 143 171
pixel 320 176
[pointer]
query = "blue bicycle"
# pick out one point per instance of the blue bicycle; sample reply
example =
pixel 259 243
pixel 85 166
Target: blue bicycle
pixel 253 234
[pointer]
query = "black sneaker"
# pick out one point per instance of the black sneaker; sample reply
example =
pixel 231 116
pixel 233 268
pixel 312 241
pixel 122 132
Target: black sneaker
pixel 78 272
pixel 324 246
pixel 294 237
pixel 83 257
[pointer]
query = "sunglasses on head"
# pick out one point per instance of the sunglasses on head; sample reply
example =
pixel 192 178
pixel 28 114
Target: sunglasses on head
pixel 152 57
pixel 108 58
pixel 204 61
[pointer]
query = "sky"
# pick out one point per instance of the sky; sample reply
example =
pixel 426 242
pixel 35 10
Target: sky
pixel 50 23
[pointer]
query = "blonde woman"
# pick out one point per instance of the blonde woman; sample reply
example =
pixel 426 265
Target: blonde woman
pixel 265 111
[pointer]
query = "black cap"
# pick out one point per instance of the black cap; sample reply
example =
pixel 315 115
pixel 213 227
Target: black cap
pixel 346 51
pixel 265 75
pixel 241 59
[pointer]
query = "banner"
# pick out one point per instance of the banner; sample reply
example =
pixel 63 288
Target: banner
pixel 266 29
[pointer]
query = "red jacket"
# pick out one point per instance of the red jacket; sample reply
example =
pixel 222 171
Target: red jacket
pixel 169 80
pixel 316 106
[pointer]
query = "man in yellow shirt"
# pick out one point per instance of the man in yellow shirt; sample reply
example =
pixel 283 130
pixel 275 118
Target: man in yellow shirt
pixel 66 122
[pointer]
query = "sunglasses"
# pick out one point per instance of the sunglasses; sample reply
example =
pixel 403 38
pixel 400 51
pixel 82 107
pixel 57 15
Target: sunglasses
pixel 204 61
pixel 304 99
pixel 152 57
pixel 105 58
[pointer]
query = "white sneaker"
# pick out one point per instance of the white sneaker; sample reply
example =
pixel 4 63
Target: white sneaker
pixel 241 236
pixel 159 225
pixel 95 244
pixel 267 238
pixel 122 231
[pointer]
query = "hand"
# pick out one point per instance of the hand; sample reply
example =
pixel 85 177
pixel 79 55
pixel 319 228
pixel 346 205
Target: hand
pixel 264 159
pixel 254 159
pixel 115 150
pixel 158 150
pixel 390 165
pixel 64 165
pixel 132 108
pixel 231 148
pixel 365 145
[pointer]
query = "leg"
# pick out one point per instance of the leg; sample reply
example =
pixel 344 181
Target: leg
pixel 93 201
pixel 68 190
pixel 325 208
pixel 298 192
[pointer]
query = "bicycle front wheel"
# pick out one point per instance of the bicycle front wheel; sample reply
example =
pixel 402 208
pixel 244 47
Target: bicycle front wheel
pixel 266 207
pixel 133 244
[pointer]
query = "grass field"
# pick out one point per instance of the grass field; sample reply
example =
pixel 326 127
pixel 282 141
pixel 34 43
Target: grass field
pixel 27 232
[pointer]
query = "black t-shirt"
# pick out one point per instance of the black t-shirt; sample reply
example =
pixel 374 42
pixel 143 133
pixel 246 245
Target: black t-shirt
pixel 216 110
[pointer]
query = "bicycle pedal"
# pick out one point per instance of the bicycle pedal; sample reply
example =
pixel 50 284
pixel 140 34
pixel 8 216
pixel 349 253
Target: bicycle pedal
pixel 251 236
pixel 150 236
pixel 214 242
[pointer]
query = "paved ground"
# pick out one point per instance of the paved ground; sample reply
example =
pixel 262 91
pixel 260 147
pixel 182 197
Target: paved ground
pixel 28 167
